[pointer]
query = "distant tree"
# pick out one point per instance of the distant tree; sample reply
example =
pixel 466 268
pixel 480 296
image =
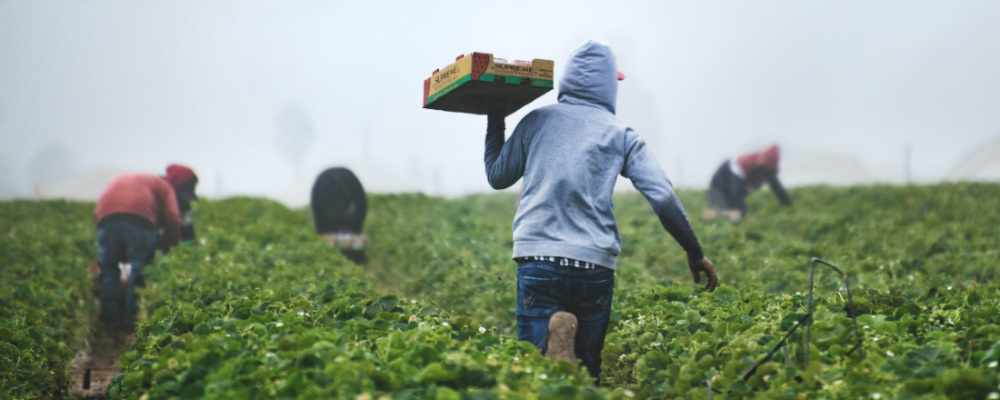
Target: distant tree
pixel 295 133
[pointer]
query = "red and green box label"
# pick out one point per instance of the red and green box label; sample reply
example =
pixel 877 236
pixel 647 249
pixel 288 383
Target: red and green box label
pixel 479 73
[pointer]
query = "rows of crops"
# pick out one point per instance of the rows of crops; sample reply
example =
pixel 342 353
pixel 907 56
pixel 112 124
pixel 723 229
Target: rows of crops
pixel 265 309
pixel 45 304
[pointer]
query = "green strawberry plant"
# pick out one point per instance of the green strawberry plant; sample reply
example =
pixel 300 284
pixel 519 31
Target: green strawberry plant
pixel 47 305
pixel 263 308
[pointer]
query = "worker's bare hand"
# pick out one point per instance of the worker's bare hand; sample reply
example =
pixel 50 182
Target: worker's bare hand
pixel 706 266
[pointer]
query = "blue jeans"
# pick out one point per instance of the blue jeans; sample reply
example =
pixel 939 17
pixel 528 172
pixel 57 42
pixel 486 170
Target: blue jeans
pixel 543 288
pixel 122 241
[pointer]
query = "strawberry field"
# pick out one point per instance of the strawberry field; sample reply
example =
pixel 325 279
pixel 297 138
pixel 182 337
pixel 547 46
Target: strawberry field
pixel 263 308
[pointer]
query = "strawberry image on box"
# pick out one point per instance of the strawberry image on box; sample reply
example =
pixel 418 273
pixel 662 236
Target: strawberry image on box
pixel 480 74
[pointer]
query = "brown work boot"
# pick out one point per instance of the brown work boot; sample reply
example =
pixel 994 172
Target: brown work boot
pixel 562 337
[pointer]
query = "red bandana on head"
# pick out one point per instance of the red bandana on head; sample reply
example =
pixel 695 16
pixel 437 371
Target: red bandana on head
pixel 766 158
pixel 178 174
pixel 749 163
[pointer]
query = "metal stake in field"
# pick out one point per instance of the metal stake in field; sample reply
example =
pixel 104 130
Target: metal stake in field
pixel 807 321
pixel 850 304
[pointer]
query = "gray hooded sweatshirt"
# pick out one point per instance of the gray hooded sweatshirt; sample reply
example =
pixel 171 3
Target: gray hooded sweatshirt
pixel 570 155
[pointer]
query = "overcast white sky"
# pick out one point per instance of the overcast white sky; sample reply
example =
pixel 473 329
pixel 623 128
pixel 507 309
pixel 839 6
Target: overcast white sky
pixel 845 87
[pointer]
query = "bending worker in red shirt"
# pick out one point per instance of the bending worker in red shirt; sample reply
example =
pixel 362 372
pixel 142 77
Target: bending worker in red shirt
pixel 738 177
pixel 129 213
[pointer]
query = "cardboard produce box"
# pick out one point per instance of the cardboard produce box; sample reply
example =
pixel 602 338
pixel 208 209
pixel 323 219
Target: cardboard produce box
pixel 481 74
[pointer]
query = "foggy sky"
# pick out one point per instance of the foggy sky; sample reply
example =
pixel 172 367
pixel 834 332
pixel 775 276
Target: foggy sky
pixel 256 96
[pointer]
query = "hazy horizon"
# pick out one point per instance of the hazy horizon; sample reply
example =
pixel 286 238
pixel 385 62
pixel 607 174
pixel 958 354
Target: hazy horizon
pixel 258 97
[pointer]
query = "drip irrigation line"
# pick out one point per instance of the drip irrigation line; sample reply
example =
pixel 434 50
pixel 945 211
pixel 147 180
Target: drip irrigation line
pixel 807 321
pixel 850 304
pixel 753 370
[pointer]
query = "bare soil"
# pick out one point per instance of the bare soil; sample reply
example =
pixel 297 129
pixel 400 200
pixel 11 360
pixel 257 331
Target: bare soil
pixel 101 357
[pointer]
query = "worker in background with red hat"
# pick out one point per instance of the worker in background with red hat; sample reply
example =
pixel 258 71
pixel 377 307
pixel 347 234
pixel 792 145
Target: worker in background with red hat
pixel 736 178
pixel 130 211
pixel 183 180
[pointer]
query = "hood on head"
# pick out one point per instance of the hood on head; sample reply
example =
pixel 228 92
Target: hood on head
pixel 591 77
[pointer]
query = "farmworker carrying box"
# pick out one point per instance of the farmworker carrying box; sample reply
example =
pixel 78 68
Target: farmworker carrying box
pixel 569 156
pixel 339 207
pixel 130 211
pixel 737 177
pixel 480 74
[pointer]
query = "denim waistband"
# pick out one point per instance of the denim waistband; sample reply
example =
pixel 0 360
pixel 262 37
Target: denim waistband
pixel 132 218
pixel 563 261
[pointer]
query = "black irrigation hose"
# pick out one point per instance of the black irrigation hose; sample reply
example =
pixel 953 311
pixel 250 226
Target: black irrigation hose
pixel 807 320
pixel 753 370
pixel 850 303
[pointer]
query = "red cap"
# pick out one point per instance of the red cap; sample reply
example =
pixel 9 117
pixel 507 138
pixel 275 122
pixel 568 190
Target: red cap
pixel 178 174
pixel 621 76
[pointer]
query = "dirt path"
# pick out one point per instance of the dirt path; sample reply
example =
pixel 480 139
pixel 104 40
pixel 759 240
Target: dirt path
pixel 100 353
pixel 101 357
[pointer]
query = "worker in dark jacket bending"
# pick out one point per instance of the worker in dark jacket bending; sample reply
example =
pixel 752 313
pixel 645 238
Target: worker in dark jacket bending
pixel 339 207
pixel 736 178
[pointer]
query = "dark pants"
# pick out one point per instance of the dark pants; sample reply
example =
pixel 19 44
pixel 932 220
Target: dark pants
pixel 543 288
pixel 727 190
pixel 122 241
